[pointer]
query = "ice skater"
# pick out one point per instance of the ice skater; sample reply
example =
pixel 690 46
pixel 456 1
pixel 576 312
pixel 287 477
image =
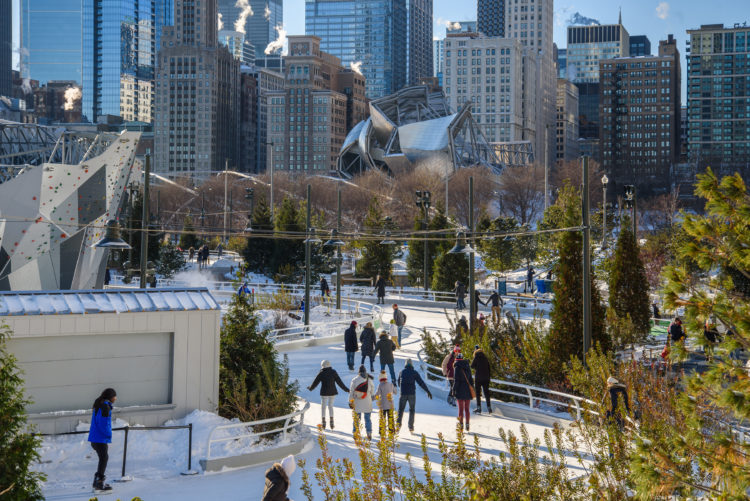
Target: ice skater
pixel 408 380
pixel 328 378
pixel 100 435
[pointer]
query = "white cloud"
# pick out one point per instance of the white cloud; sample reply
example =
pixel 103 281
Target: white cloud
pixel 662 10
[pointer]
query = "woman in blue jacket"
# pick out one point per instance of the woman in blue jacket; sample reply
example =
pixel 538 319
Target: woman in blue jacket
pixel 100 434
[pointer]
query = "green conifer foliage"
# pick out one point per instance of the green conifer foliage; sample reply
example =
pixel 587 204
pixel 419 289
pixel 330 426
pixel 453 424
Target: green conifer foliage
pixel 288 249
pixel 170 260
pixel 376 257
pixel 415 261
pixel 258 252
pixel 18 448
pixel 566 330
pixel 500 253
pixel 628 287
pixel 188 238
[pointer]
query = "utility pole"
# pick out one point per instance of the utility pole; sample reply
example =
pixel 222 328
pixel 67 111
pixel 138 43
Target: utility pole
pixel 269 154
pixel 473 306
pixel 226 186
pixel 605 180
pixel 423 202
pixel 338 251
pixel 586 259
pixel 546 168
pixel 307 261
pixel 144 220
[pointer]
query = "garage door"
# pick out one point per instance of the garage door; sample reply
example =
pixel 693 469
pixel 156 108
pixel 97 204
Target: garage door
pixel 69 372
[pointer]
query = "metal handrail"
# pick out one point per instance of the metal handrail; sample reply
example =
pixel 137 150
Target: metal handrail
pixel 288 425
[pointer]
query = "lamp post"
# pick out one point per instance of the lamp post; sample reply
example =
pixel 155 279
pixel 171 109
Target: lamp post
pixel 464 247
pixel 339 259
pixel 145 220
pixel 630 203
pixel 269 154
pixel 586 258
pixel 605 180
pixel 423 202
pixel 226 188
pixel 311 239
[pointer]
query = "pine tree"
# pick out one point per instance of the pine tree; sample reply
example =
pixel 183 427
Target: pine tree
pixel 19 449
pixel 697 455
pixel 415 260
pixel 500 253
pixel 253 383
pixel 133 234
pixel 566 317
pixel 258 252
pixel 188 238
pixel 628 287
pixel 376 257
pixel 289 250
pixel 170 260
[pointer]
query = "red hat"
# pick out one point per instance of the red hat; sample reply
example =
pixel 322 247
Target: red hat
pixel 457 349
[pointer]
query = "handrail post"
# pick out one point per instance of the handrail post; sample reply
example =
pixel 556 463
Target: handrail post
pixel 578 410
pixel 190 446
pixel 531 398
pixel 125 451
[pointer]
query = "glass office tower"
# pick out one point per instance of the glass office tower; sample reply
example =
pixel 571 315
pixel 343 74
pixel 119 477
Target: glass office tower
pixel 491 17
pixel 51 40
pixel 119 56
pixel 260 28
pixel 370 32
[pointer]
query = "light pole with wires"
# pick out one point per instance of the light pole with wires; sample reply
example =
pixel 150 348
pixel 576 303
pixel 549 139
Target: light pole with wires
pixel 423 202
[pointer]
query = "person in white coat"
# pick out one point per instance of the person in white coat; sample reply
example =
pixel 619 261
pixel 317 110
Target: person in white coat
pixel 361 392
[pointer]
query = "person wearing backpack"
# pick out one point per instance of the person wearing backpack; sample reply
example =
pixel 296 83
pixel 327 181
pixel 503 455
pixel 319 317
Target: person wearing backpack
pixel 367 342
pixel 328 378
pixel 463 389
pixel 361 392
pixel 385 346
pixel 399 317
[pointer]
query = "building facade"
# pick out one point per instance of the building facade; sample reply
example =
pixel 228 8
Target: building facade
pixel 587 45
pixel 418 40
pixel 456 27
pixel 438 55
pixel 6 48
pixel 238 46
pixel 491 17
pixel 308 121
pixel 640 118
pixel 260 27
pixel 718 99
pixel 51 106
pixel 640 45
pixel 566 130
pixel 197 95
pixel 119 56
pixel 489 73
pixel 371 34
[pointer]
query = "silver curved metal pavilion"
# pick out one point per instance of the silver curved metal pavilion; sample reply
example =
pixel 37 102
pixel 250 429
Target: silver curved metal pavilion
pixel 415 128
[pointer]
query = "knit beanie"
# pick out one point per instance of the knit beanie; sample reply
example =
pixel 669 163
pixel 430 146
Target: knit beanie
pixel 288 465
pixel 325 364
pixel 362 371
pixel 383 376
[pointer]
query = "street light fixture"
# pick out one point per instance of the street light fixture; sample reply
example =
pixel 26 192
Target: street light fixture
pixel 334 241
pixel 630 203
pixel 423 202
pixel 387 240
pixel 111 239
pixel 461 246
pixel 605 180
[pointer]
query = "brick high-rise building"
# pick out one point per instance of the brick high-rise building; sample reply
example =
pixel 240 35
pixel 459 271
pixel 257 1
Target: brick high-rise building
pixel 718 100
pixel 640 118
pixel 566 136
pixel 6 48
pixel 309 120
pixel 197 95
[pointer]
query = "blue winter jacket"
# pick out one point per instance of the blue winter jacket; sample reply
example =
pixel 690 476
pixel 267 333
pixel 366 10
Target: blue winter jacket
pixel 100 431
pixel 408 379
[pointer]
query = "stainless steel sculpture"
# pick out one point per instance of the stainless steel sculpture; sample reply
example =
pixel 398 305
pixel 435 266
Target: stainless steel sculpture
pixel 415 128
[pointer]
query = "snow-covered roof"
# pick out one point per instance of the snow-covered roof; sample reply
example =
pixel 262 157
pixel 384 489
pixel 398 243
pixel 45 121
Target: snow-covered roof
pixel 105 301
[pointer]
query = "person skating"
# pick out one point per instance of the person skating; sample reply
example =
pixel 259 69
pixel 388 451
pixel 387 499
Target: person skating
pixel 385 346
pixel 477 302
pixel 380 289
pixel 481 365
pixel 448 372
pixel 385 395
pixel 462 384
pixel 361 392
pixel 324 289
pixel 100 435
pixel 462 328
pixel 367 344
pixel 459 290
pixel 328 378
pixel 530 279
pixel 408 379
pixel 350 344
pixel 400 318
pixel 655 311
pixel 616 390
pixel 393 332
pixel 496 302
pixel 278 480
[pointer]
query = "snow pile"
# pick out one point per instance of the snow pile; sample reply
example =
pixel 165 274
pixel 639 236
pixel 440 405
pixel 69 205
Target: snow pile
pixel 194 278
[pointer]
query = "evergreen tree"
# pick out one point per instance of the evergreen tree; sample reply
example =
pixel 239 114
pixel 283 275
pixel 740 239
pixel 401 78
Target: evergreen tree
pixel 170 260
pixel 289 250
pixel 188 237
pixel 698 454
pixel 376 258
pixel 258 252
pixel 19 449
pixel 628 287
pixel 133 234
pixel 500 253
pixel 566 317
pixel 253 383
pixel 415 260
pixel 449 268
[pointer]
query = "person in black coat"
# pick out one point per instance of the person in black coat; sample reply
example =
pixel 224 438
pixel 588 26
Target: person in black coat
pixel 459 290
pixel 676 333
pixel 367 342
pixel 324 289
pixel 328 378
pixel 380 289
pixel 350 344
pixel 462 383
pixel 497 306
pixel 277 480
pixel 481 365
pixel 617 390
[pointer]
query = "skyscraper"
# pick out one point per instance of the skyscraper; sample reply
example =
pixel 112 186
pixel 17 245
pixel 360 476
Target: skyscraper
pixel 566 145
pixel 197 95
pixel 6 51
pixel 308 121
pixel 366 34
pixel 640 45
pixel 119 56
pixel 640 118
pixel 238 46
pixel 587 45
pixel 52 40
pixel 260 27
pixel 491 17
pixel 418 40
pixel 718 98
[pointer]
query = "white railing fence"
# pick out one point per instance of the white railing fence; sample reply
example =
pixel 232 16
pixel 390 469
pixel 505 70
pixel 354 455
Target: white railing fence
pixel 244 434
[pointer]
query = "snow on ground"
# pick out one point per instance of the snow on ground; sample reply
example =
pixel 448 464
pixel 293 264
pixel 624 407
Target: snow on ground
pixel 155 458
